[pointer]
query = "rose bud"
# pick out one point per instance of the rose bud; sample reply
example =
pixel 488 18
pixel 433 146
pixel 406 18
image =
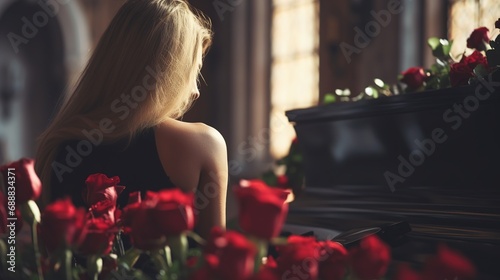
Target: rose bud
pixel 28 185
pixel 134 197
pixel 143 229
pixel 370 259
pixel 333 260
pixel 262 210
pixel 299 258
pixel 233 256
pixel 478 39
pixel 62 225
pixel 99 237
pixel 283 181
pixel 100 195
pixel 449 264
pixel 474 59
pixel 462 71
pixel 173 211
pixel 414 77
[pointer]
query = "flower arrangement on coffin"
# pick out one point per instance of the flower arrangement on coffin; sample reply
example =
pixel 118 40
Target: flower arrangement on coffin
pixel 444 73
pixel 288 173
pixel 158 227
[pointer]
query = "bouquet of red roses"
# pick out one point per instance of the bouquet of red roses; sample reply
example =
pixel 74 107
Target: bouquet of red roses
pixel 68 242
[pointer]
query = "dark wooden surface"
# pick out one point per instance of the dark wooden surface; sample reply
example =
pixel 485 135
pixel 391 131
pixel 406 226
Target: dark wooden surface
pixel 453 197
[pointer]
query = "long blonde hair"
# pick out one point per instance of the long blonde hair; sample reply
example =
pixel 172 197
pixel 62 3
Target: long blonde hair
pixel 149 53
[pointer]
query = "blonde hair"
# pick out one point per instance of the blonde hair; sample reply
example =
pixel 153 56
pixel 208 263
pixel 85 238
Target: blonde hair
pixel 150 53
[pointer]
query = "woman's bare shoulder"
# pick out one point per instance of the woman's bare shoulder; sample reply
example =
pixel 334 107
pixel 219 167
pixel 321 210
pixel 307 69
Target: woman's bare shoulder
pixel 189 149
pixel 188 134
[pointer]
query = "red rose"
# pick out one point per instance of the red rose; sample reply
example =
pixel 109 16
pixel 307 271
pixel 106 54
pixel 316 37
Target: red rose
pixel 62 225
pixel 370 259
pixel 101 193
pixel 143 230
pixel 414 77
pixel 210 246
pixel 283 181
pixel 405 272
pixel 232 257
pixel 462 71
pixel 449 264
pixel 474 60
pixel 262 210
pixel 99 237
pixel 134 197
pixel 332 260
pixel 28 185
pixel 478 38
pixel 168 212
pixel 299 258
pixel 460 74
pixel 269 271
pixel 173 211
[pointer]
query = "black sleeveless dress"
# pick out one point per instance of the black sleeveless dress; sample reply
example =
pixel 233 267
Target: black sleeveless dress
pixel 136 163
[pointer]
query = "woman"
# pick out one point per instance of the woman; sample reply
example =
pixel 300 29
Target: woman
pixel 121 118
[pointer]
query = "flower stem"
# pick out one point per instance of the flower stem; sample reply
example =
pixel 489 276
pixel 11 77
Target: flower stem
pixel 162 259
pixel 64 272
pixel 31 214
pixel 129 258
pixel 198 239
pixel 36 248
pixel 3 257
pixel 261 246
pixel 94 267
pixel 179 246
pixel 168 256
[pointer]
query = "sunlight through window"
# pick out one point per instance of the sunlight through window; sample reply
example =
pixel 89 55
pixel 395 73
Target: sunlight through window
pixel 295 66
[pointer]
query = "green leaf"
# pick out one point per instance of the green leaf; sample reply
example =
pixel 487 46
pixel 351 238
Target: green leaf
pixel 179 248
pixel 270 178
pixel 329 98
pixel 433 42
pixel 131 256
pixel 446 47
pixel 480 71
pixel 380 83
pixel 372 92
pixel 94 267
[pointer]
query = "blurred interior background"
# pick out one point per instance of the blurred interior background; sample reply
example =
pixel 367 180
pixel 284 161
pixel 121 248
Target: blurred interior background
pixel 268 56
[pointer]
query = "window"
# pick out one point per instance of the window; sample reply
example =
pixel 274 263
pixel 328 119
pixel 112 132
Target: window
pixel 466 15
pixel 295 66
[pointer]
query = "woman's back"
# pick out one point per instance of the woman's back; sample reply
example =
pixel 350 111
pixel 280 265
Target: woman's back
pixel 141 77
pixel 137 164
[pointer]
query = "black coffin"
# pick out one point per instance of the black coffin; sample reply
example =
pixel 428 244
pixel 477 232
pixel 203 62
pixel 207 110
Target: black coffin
pixel 431 159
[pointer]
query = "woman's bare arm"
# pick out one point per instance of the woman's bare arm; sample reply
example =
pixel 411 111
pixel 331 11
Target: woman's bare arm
pixel 194 156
